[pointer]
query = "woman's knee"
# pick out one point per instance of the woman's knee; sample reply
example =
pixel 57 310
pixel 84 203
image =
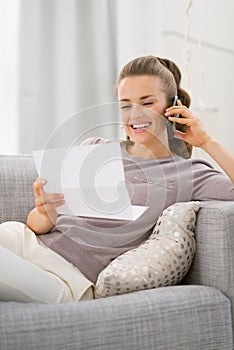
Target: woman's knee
pixel 14 225
pixel 11 236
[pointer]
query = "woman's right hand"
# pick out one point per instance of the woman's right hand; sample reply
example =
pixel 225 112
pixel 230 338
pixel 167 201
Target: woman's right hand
pixel 46 203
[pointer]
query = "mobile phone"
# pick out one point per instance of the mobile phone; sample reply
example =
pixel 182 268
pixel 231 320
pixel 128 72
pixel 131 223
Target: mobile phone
pixel 175 115
pixel 171 125
pixel 175 101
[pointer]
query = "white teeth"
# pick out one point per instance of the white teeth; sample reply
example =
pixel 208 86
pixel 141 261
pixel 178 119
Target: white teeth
pixel 140 126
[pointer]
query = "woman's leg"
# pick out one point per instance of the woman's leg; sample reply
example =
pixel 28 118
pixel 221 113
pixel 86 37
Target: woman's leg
pixel 20 280
pixel 51 276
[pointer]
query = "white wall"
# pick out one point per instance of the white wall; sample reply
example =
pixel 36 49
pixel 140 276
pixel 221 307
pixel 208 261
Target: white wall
pixel 139 27
pixel 211 48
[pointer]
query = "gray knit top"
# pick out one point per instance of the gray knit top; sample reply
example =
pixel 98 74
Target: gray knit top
pixel 156 183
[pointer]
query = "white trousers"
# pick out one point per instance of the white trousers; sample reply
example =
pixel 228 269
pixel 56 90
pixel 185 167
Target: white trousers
pixel 32 272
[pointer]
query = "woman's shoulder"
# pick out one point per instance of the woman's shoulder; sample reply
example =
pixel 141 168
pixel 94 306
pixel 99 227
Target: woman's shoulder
pixel 202 167
pixel 194 161
pixel 202 163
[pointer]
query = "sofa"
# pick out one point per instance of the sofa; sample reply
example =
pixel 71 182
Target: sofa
pixel 196 314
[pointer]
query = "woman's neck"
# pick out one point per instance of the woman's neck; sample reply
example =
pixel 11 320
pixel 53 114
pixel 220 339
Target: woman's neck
pixel 148 151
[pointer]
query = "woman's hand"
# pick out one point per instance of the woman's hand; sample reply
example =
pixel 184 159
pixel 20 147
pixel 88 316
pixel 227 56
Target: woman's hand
pixel 195 134
pixel 46 203
pixel 42 218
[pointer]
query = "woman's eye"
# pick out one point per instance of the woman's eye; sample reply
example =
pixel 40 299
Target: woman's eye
pixel 128 106
pixel 147 103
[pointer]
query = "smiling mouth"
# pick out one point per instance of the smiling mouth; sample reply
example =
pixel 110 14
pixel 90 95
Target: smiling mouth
pixel 140 126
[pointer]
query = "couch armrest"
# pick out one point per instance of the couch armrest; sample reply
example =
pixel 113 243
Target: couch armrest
pixel 17 174
pixel 214 258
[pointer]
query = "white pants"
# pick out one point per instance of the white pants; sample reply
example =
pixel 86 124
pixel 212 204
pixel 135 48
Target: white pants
pixel 32 272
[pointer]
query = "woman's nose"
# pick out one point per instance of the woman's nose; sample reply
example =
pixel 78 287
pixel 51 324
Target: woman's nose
pixel 132 113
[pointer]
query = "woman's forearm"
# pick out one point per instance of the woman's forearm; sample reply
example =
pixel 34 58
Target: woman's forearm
pixel 223 157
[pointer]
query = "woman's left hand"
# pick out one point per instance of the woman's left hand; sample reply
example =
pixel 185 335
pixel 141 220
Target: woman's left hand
pixel 195 134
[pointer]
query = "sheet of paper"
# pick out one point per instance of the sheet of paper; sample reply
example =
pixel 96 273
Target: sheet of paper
pixel 91 177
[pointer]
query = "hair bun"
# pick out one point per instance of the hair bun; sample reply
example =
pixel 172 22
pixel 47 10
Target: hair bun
pixel 183 96
pixel 173 68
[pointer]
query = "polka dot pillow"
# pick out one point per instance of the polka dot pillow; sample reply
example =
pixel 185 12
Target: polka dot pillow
pixel 163 260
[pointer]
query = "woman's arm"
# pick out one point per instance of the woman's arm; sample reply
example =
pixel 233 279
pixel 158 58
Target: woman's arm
pixel 222 156
pixel 197 136
pixel 42 218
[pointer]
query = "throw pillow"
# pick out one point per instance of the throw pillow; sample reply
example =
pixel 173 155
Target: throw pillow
pixel 163 260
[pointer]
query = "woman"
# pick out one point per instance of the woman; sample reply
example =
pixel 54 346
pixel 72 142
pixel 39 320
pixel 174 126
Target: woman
pixel 73 250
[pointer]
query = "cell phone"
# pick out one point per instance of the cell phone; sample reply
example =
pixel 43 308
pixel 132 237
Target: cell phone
pixel 175 101
pixel 175 115
pixel 171 125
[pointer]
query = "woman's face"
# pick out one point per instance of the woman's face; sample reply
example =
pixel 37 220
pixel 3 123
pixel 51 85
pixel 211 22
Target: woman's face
pixel 142 105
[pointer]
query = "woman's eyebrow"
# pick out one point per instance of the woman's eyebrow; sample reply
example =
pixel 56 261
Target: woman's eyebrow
pixel 141 98
pixel 144 97
pixel 124 100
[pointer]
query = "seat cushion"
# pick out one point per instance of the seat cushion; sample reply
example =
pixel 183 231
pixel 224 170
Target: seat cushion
pixel 177 317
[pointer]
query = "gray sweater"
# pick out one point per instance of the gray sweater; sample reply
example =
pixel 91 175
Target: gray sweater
pixel 156 183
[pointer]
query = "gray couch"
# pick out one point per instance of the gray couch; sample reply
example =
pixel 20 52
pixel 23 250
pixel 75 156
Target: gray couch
pixel 194 315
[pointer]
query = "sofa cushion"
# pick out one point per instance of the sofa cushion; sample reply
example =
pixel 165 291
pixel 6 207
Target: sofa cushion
pixel 164 259
pixel 17 174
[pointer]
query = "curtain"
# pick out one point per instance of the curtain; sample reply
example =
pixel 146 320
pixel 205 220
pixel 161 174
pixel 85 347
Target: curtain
pixel 66 65
pixel 9 11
